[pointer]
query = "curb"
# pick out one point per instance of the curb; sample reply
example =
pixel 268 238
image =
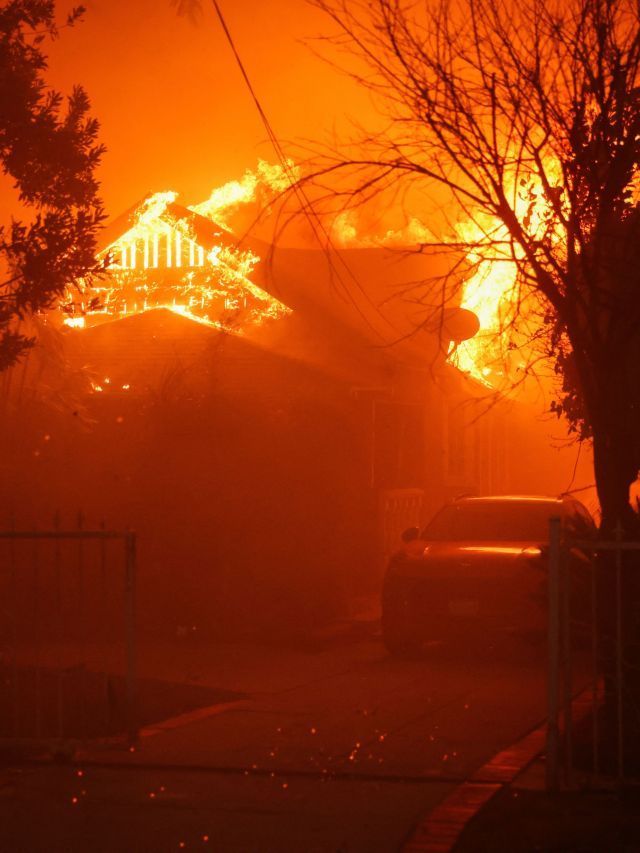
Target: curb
pixel 189 717
pixel 439 831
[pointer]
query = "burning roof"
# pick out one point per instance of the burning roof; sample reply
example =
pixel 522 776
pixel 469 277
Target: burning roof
pixel 160 253
pixel 163 254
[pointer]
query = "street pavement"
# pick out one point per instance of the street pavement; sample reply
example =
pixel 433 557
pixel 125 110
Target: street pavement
pixel 333 748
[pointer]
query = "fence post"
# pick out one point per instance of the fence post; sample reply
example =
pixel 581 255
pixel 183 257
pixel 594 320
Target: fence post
pixel 59 628
pixel 82 627
pixel 13 609
pixel 130 592
pixel 595 665
pixel 566 673
pixel 619 649
pixel 554 654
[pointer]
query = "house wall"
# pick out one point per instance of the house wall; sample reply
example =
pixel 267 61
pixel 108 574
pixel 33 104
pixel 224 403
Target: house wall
pixel 247 485
pixel 509 447
pixel 265 492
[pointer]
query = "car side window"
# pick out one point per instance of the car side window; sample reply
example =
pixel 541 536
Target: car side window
pixel 579 522
pixel 571 524
pixel 586 520
pixel 590 518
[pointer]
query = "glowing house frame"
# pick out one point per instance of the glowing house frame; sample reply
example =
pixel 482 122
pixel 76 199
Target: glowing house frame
pixel 160 254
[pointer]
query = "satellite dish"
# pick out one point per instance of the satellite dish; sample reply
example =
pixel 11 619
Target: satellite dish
pixel 459 324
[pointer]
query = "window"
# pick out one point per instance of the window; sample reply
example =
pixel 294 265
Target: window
pixel 486 521
pixel 579 522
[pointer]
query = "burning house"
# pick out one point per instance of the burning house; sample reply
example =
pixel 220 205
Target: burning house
pixel 257 417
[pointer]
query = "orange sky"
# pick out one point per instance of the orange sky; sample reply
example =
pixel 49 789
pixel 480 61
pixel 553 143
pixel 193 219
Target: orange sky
pixel 174 110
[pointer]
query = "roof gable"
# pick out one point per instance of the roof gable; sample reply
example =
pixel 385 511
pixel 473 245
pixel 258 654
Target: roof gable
pixel 162 254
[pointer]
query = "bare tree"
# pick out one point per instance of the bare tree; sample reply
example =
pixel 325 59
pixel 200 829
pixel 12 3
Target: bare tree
pixel 526 114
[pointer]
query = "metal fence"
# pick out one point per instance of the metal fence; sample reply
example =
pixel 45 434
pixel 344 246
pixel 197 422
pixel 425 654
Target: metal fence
pixel 67 635
pixel 397 510
pixel 591 724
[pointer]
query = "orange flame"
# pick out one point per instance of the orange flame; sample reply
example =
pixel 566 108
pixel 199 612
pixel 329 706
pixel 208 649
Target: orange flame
pixel 493 291
pixel 168 259
pixel 267 178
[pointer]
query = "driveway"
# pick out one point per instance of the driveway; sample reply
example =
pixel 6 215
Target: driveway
pixel 341 748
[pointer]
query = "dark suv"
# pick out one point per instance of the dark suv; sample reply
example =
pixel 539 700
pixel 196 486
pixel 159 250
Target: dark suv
pixel 479 564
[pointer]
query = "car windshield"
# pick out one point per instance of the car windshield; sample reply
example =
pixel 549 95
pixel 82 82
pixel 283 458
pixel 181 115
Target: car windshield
pixel 484 522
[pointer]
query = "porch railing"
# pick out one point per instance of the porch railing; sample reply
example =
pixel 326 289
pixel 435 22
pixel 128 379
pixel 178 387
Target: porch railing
pixel 397 510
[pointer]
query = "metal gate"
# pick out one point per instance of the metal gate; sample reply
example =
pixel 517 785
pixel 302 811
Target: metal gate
pixel 67 636
pixel 588 615
pixel 397 510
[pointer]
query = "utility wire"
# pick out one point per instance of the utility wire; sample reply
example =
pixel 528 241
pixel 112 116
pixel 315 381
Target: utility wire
pixel 317 226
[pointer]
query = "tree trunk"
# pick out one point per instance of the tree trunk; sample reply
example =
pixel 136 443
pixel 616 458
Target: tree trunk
pixel 615 468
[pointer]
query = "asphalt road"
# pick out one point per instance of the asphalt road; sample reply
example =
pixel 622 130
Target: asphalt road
pixel 339 748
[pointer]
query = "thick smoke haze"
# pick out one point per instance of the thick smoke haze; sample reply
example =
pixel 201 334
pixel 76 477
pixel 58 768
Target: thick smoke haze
pixel 174 110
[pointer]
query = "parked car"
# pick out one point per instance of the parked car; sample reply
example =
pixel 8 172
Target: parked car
pixel 478 566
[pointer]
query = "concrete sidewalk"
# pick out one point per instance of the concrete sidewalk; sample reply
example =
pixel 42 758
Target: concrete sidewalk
pixel 239 777
pixel 339 749
pixel 101 810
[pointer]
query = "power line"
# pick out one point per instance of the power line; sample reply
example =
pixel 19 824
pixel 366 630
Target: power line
pixel 312 217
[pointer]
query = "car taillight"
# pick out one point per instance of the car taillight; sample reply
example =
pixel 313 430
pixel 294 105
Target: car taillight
pixel 534 555
pixel 532 551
